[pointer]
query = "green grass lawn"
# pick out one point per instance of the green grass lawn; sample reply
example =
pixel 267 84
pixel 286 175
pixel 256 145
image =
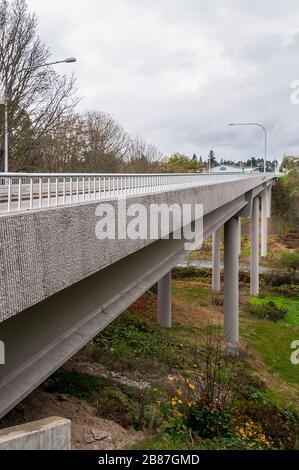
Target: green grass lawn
pixel 272 342
pixel 191 292
pixel 291 305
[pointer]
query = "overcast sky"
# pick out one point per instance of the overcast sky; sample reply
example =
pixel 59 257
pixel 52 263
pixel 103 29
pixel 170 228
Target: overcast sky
pixel 177 71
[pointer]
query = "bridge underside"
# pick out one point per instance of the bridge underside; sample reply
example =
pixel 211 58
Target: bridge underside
pixel 43 337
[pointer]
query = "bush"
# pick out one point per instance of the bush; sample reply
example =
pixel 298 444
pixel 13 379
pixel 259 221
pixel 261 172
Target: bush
pixel 281 426
pixel 273 280
pixel 268 310
pixel 190 272
pixel 218 300
pixel 286 290
pixel 209 421
pixel 115 405
pixel 75 383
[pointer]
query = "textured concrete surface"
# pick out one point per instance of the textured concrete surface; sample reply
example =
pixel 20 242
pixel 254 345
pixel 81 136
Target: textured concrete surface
pixel 46 434
pixel 43 252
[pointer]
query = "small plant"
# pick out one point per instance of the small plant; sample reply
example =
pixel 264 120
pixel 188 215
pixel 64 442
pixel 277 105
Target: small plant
pixel 252 435
pixel 218 300
pixel 210 421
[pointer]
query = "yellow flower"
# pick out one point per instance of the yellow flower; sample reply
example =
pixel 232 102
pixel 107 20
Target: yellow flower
pixel 179 391
pixel 192 386
pixel 170 378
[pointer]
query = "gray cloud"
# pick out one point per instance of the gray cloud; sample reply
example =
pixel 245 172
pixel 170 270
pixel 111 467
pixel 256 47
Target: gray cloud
pixel 177 71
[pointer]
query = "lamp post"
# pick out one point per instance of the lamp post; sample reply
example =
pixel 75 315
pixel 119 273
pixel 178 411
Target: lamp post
pixel 212 148
pixel 265 133
pixel 25 69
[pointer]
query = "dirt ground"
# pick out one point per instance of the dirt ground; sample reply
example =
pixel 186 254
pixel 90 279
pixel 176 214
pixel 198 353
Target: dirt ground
pixel 89 432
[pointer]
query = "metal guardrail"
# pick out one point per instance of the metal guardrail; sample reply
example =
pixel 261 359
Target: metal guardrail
pixel 31 191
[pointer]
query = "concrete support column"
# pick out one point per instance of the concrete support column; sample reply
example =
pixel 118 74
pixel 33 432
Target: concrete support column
pixel 164 301
pixel 269 199
pixel 240 235
pixel 254 255
pixel 264 234
pixel 216 279
pixel 231 281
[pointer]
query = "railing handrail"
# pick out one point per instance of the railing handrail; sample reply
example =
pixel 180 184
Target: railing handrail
pixel 76 175
pixel 30 191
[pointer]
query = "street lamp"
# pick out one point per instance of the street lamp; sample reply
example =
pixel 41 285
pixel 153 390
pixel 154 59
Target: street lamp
pixel 212 148
pixel 265 132
pixel 4 101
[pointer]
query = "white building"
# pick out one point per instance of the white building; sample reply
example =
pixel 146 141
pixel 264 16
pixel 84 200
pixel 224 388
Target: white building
pixel 227 169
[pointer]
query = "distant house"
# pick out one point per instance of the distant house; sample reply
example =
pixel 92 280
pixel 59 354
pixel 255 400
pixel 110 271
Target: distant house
pixel 227 169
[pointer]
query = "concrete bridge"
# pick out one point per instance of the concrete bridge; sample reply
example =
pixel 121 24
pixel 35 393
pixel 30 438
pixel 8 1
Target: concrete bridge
pixel 60 285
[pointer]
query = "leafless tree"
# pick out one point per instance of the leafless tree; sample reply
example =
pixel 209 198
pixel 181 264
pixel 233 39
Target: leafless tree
pixel 38 98
pixel 143 157
pixel 107 144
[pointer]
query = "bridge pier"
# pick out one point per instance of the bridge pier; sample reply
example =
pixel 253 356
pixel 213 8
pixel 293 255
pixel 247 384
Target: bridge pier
pixel 269 197
pixel 231 282
pixel 240 235
pixel 254 255
pixel 264 231
pixel 216 279
pixel 164 301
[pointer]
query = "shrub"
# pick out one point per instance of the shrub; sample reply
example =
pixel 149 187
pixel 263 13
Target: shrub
pixel 268 310
pixel 252 435
pixel 218 300
pixel 115 405
pixel 190 272
pixel 75 383
pixel 281 426
pixel 204 403
pixel 286 290
pixel 209 421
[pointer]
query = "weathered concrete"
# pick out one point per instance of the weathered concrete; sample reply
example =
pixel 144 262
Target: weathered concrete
pixel 254 254
pixel 231 281
pixel 216 278
pixel 46 434
pixel 164 301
